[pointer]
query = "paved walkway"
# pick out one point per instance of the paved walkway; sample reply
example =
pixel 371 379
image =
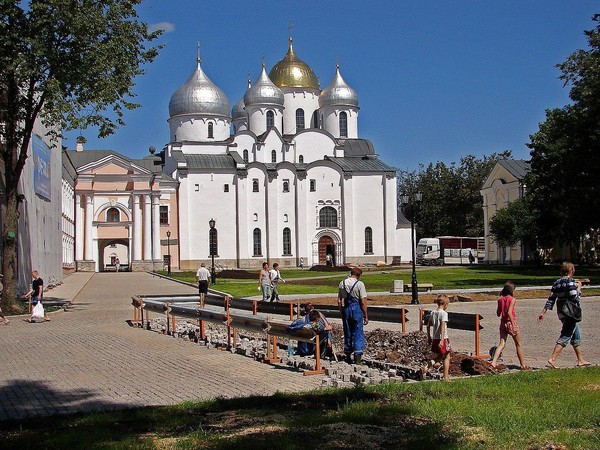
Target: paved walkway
pixel 88 358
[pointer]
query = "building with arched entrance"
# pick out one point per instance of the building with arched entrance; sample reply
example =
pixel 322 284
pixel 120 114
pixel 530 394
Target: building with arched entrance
pixel 124 209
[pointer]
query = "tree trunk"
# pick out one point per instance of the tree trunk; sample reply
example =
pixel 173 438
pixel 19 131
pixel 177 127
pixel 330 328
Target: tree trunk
pixel 9 246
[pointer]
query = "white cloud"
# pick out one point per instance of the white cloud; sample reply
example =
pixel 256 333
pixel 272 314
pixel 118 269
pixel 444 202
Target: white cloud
pixel 167 27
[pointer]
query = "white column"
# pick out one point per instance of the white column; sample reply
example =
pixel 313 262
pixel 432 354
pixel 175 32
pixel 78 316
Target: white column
pixel 156 254
pixel 147 228
pixel 137 228
pixel 89 216
pixel 79 237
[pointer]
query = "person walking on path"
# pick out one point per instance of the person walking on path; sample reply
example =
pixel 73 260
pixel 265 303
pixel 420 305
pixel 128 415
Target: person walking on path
pixel 202 276
pixel 264 282
pixel 275 279
pixel 117 264
pixel 352 298
pixel 508 324
pixel 36 293
pixel 439 341
pixel 565 289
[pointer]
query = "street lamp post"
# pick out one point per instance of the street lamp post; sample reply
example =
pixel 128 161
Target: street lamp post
pixel 416 197
pixel 211 244
pixel 169 252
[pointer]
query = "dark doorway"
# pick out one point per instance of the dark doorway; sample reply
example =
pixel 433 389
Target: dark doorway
pixel 326 247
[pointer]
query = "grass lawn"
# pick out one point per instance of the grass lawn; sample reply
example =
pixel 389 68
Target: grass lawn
pixel 445 277
pixel 529 410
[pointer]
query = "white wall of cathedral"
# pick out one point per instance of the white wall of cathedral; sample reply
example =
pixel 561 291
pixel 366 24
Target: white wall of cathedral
pixel 305 99
pixel 313 145
pixel 205 196
pixel 256 200
pixel 244 145
pixel 331 121
pixel 187 127
pixel 257 118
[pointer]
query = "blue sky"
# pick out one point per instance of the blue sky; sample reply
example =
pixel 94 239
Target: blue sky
pixel 436 80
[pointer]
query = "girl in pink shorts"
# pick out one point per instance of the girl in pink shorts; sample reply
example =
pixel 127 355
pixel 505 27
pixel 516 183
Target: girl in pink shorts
pixel 508 324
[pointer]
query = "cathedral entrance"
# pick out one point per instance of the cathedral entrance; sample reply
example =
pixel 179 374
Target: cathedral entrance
pixel 327 251
pixel 108 252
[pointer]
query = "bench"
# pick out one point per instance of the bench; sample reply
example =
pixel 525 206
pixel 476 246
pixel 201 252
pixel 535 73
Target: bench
pixel 427 287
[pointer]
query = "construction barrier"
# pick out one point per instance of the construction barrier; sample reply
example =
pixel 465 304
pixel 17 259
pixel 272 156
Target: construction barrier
pixel 233 321
pixel 459 321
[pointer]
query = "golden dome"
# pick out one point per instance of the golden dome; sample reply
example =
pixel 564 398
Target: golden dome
pixel 292 72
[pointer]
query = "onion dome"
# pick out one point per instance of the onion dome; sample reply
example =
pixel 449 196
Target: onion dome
pixel 264 92
pixel 292 72
pixel 199 95
pixel 238 111
pixel 338 93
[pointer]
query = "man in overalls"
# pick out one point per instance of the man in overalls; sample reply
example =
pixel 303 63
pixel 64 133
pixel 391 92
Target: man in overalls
pixel 353 307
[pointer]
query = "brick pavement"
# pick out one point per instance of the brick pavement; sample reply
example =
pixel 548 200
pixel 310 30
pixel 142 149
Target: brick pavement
pixel 88 358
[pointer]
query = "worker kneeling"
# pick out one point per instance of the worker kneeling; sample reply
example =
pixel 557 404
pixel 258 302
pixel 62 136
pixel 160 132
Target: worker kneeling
pixel 317 322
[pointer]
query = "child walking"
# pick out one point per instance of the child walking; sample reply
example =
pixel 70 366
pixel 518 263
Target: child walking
pixel 440 344
pixel 508 324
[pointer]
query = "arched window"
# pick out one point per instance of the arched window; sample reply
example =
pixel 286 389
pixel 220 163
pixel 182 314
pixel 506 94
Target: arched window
pixel 315 119
pixel 328 217
pixel 299 119
pixel 287 241
pixel 273 156
pixel 270 120
pixel 210 130
pixel 113 215
pixel 343 124
pixel 256 240
pixel 368 240
pixel 254 185
pixel 213 246
pixel 301 159
pixel 245 156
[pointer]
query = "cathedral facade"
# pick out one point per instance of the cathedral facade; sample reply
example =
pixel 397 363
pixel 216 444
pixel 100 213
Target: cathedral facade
pixel 283 176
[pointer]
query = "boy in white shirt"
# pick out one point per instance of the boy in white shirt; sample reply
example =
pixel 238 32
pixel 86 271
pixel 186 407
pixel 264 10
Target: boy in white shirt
pixel 440 344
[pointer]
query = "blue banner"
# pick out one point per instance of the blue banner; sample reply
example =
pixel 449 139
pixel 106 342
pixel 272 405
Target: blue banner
pixel 41 167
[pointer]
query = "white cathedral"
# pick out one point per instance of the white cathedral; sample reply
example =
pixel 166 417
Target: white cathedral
pixel 282 177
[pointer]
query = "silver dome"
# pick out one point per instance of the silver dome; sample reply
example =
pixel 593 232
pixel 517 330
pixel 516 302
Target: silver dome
pixel 199 95
pixel 238 111
pixel 338 93
pixel 264 92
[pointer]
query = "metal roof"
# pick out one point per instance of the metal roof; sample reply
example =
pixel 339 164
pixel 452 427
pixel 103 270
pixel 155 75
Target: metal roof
pixel 357 147
pixel 362 164
pixel 519 168
pixel 210 161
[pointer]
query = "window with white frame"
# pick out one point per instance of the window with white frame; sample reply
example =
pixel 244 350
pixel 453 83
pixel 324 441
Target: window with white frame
pixel 287 241
pixel 368 240
pixel 328 217
pixel 256 242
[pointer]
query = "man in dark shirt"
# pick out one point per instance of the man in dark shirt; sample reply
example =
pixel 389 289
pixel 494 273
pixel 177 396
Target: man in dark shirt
pixel 36 292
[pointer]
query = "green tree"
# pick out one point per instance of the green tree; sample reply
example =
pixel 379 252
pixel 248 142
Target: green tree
pixel 565 163
pixel 452 202
pixel 70 64
pixel 516 224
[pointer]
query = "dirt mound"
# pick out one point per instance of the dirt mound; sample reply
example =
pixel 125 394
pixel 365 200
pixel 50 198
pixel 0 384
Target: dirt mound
pixel 330 269
pixel 237 274
pixel 411 349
